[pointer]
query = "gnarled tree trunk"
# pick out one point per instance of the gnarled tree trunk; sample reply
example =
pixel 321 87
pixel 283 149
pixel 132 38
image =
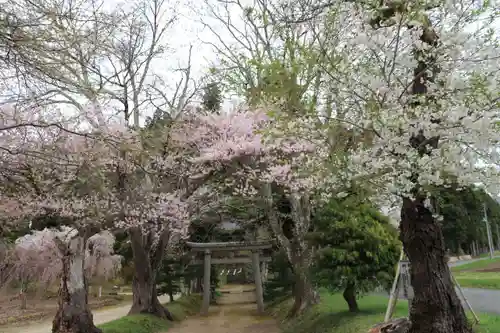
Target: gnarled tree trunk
pixel 292 240
pixel 147 262
pixel 436 307
pixel 304 295
pixel 350 297
pixel 73 314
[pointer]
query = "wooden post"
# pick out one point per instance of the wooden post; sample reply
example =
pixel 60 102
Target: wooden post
pixel 206 283
pixel 258 281
pixel 464 298
pixel 405 277
pixel 488 233
pixel 498 237
pixel 393 298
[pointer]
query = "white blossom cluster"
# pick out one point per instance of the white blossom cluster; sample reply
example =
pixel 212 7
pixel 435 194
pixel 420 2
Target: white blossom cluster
pixel 372 90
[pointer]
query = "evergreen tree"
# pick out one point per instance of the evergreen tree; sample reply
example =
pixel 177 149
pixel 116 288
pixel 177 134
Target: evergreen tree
pixel 169 277
pixel 212 97
pixel 463 214
pixel 358 248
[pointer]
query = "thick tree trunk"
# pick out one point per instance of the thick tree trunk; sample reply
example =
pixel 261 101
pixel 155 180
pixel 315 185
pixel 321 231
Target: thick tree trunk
pixel 73 315
pixel 171 291
pixel 304 294
pixel 436 307
pixel 22 296
pixel 298 251
pixel 350 297
pixel 145 299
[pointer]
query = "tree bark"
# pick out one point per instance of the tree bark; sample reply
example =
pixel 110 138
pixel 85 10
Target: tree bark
pixel 146 265
pixel 350 297
pixel 171 290
pixel 73 314
pixel 298 251
pixel 304 294
pixel 436 307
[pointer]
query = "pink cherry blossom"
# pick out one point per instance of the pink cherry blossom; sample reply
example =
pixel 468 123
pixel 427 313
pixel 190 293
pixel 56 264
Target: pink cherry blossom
pixel 37 257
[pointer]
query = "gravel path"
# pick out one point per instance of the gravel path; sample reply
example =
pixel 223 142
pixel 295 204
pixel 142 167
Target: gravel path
pixel 100 317
pixel 228 319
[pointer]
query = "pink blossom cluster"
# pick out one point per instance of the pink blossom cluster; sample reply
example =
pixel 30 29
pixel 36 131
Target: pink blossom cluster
pixel 224 137
pixel 252 146
pixel 164 209
pixel 37 257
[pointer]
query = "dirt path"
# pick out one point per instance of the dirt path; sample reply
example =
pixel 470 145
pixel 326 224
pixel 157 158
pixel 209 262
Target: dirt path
pixel 228 319
pixel 100 317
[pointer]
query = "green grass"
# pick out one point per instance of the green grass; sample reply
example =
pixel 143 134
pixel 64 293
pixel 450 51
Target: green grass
pixel 468 276
pixel 485 255
pixel 480 264
pixel 331 316
pixel 485 280
pixel 180 309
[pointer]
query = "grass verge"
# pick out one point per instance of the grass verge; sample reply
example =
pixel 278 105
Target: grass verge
pixel 485 280
pixel 476 265
pixel 180 309
pixel 485 255
pixel 331 316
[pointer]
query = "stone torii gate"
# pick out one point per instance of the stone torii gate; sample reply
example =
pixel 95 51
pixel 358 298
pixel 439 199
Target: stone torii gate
pixel 256 259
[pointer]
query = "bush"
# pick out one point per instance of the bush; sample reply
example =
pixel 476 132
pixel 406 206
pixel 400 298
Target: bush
pixel 180 309
pixel 358 249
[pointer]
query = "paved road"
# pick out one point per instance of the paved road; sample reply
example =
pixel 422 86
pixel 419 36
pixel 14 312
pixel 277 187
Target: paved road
pixel 100 317
pixel 481 300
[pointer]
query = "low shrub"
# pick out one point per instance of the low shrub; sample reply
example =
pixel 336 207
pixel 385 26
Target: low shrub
pixel 180 309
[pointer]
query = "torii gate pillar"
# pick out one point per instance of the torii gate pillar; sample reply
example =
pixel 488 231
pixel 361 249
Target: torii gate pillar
pixel 206 282
pixel 258 281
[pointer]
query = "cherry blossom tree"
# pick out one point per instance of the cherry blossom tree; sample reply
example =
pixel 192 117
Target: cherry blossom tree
pixel 257 162
pixel 420 77
pixel 65 177
pixel 98 180
pixel 157 220
pixel 37 258
pixel 156 207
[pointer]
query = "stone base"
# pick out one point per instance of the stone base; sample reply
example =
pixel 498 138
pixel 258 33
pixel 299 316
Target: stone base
pixel 399 325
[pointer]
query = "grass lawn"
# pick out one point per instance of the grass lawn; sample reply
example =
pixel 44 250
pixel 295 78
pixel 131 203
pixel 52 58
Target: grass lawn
pixel 469 275
pixel 180 309
pixel 331 316
pixel 485 255
pixel 480 264
pixel 485 280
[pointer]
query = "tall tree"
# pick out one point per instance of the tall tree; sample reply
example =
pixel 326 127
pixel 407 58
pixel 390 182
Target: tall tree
pixel 463 215
pixel 420 111
pixel 67 180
